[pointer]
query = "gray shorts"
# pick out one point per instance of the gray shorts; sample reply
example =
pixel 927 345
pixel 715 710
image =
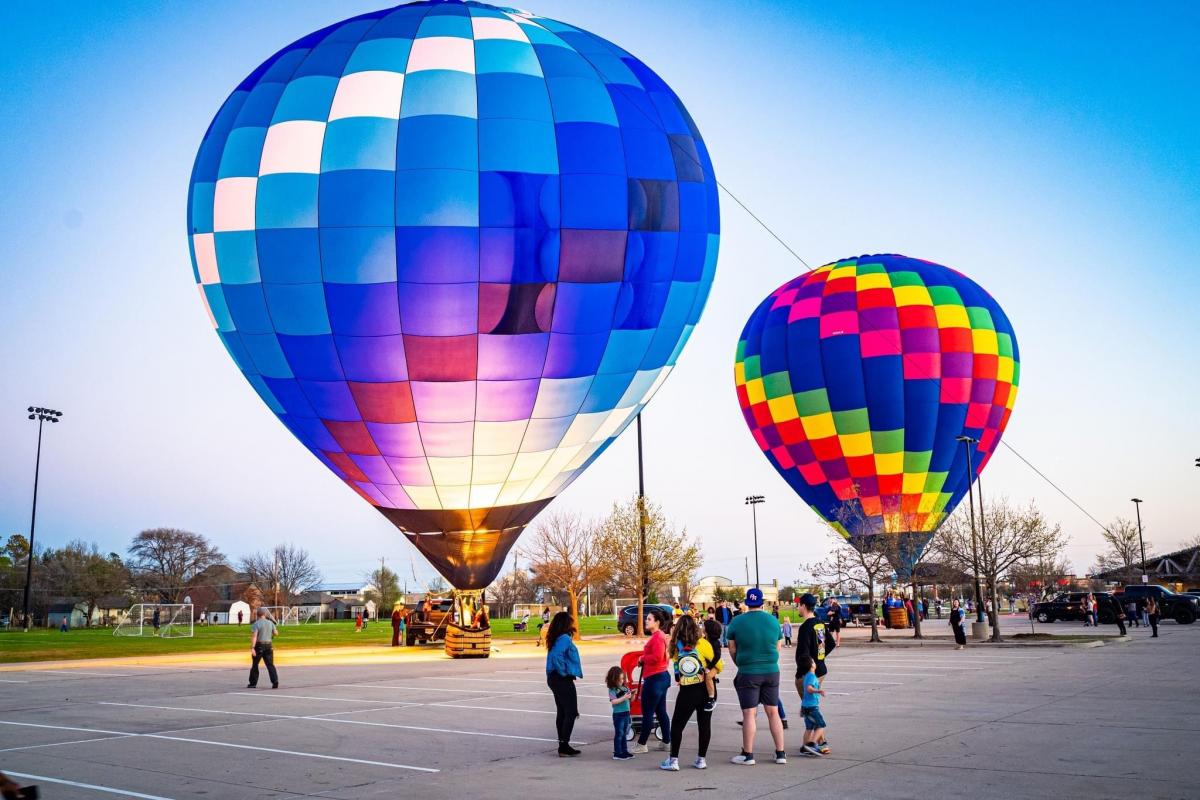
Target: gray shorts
pixel 756 690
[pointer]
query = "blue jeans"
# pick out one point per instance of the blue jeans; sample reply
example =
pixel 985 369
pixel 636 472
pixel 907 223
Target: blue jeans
pixel 621 723
pixel 654 703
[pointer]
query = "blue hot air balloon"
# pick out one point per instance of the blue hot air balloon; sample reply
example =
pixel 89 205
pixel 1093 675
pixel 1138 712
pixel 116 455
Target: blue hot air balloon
pixel 456 249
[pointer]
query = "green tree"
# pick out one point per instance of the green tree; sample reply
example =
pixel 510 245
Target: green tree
pixel 384 591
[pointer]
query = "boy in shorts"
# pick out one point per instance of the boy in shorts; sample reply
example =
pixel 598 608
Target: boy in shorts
pixel 810 707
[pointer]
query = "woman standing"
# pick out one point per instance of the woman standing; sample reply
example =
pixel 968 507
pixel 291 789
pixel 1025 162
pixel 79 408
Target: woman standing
pixel 956 624
pixel 562 669
pixel 1153 613
pixel 693 659
pixel 655 681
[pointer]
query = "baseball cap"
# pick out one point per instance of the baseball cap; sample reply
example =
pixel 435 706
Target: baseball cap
pixel 754 597
pixel 808 600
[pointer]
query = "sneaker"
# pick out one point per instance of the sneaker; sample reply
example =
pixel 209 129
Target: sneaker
pixel 784 721
pixel 710 704
pixel 780 757
pixel 824 748
pixel 700 763
pixel 639 748
pixel 566 751
pixel 661 746
pixel 251 686
pixel 745 759
pixel 624 757
pixel 274 685
pixel 811 750
pixel 670 764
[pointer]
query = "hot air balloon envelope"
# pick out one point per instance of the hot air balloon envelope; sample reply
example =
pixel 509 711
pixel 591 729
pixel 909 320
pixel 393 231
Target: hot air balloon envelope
pixel 856 379
pixel 455 248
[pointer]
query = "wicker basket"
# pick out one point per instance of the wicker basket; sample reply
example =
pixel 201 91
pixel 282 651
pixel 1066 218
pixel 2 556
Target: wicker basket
pixel 465 643
pixel 897 617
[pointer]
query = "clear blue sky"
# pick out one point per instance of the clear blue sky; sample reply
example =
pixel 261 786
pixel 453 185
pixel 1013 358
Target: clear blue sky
pixel 1051 152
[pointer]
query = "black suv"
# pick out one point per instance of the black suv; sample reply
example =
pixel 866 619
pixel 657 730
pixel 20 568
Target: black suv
pixel 1183 608
pixel 1069 606
pixel 628 618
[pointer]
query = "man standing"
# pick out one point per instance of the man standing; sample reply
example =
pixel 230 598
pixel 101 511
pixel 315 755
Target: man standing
pixel 812 642
pixel 261 633
pixel 724 616
pixel 397 616
pixel 754 642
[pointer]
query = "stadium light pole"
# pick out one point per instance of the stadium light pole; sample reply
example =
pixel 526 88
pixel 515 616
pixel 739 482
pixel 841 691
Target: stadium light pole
pixel 752 501
pixel 1137 507
pixel 967 442
pixel 42 415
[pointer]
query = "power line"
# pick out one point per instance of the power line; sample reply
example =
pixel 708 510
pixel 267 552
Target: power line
pixel 1057 488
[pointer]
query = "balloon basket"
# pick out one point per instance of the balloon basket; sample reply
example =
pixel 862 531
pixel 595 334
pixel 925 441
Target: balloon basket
pixel 897 617
pixel 467 643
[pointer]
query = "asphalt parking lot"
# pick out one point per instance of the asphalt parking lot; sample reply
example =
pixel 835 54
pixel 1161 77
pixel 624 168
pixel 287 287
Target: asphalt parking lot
pixel 1119 720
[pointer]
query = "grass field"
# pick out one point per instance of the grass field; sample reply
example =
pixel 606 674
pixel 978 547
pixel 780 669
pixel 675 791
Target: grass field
pixel 50 645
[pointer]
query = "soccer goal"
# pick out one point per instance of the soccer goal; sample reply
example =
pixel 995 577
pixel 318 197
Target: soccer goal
pixel 308 615
pixel 166 620
pixel 283 615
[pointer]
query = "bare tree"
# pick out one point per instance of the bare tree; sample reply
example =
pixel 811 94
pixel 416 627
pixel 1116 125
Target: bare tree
pixel 509 589
pixel 565 554
pixel 1123 551
pixel 166 559
pixel 1005 537
pixel 671 556
pixel 282 574
pixel 860 565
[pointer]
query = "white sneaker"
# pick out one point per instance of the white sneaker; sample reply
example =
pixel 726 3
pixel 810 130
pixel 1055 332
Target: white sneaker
pixel 639 748
pixel 780 758
pixel 662 746
pixel 670 764
pixel 700 763
pixel 743 759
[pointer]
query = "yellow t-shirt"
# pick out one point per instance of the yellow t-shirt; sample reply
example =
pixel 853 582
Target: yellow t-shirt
pixel 691 674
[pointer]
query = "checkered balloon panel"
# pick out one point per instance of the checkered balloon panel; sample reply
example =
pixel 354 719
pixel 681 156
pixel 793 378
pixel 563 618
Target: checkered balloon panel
pixel 856 379
pixel 456 249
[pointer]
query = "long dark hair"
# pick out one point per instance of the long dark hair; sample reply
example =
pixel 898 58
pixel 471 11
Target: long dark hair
pixel 712 632
pixel 561 623
pixel 685 634
pixel 664 619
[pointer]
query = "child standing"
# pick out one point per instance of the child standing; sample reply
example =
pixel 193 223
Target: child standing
pixel 810 707
pixel 787 631
pixel 618 698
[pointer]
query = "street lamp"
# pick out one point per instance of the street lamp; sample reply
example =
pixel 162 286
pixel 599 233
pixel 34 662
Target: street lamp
pixel 967 442
pixel 752 501
pixel 1137 506
pixel 41 415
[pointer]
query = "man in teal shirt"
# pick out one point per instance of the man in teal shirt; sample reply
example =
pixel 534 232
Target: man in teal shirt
pixel 754 639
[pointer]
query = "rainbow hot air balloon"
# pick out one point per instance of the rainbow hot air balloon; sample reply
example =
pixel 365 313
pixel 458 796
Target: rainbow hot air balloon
pixel 455 248
pixel 856 379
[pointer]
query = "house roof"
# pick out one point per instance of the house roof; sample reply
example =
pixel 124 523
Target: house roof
pixel 341 587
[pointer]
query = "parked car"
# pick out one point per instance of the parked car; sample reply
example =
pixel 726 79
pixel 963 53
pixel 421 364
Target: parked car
pixel 844 604
pixel 627 620
pixel 1069 606
pixel 1183 608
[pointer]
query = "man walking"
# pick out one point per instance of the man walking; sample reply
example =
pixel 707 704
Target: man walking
pixel 754 641
pixel 261 633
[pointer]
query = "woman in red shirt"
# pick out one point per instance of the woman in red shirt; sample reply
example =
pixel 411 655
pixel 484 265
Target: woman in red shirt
pixel 656 680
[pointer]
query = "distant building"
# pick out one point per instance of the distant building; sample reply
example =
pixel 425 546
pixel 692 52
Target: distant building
pixel 226 613
pixel 704 593
pixel 1179 570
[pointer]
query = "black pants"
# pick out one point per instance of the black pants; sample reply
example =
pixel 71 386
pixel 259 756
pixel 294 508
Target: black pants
pixel 960 636
pixel 691 699
pixel 264 653
pixel 567 704
pixel 1121 625
pixel 1154 625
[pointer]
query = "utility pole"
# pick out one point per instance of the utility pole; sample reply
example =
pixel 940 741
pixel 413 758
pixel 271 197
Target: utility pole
pixel 1137 506
pixel 747 560
pixel 642 577
pixel 967 442
pixel 41 415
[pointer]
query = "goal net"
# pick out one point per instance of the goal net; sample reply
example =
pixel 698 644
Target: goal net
pixel 165 620
pixel 283 615
pixel 306 615
pixel 622 602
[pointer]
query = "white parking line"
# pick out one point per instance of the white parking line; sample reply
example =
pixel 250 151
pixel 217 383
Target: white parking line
pixel 452 704
pixel 92 786
pixel 321 756
pixel 59 744
pixel 76 672
pixel 311 697
pixel 2 680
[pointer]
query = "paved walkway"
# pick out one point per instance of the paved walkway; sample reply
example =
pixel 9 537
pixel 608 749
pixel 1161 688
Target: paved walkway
pixel 1115 721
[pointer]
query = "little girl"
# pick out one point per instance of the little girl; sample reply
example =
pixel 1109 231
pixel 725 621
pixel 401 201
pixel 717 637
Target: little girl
pixel 618 697
pixel 787 631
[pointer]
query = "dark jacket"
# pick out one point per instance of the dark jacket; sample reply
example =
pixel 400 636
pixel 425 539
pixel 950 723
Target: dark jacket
pixel 811 639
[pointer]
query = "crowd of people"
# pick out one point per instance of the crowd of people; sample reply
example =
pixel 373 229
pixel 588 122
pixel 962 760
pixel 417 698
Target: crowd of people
pixel 687 647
